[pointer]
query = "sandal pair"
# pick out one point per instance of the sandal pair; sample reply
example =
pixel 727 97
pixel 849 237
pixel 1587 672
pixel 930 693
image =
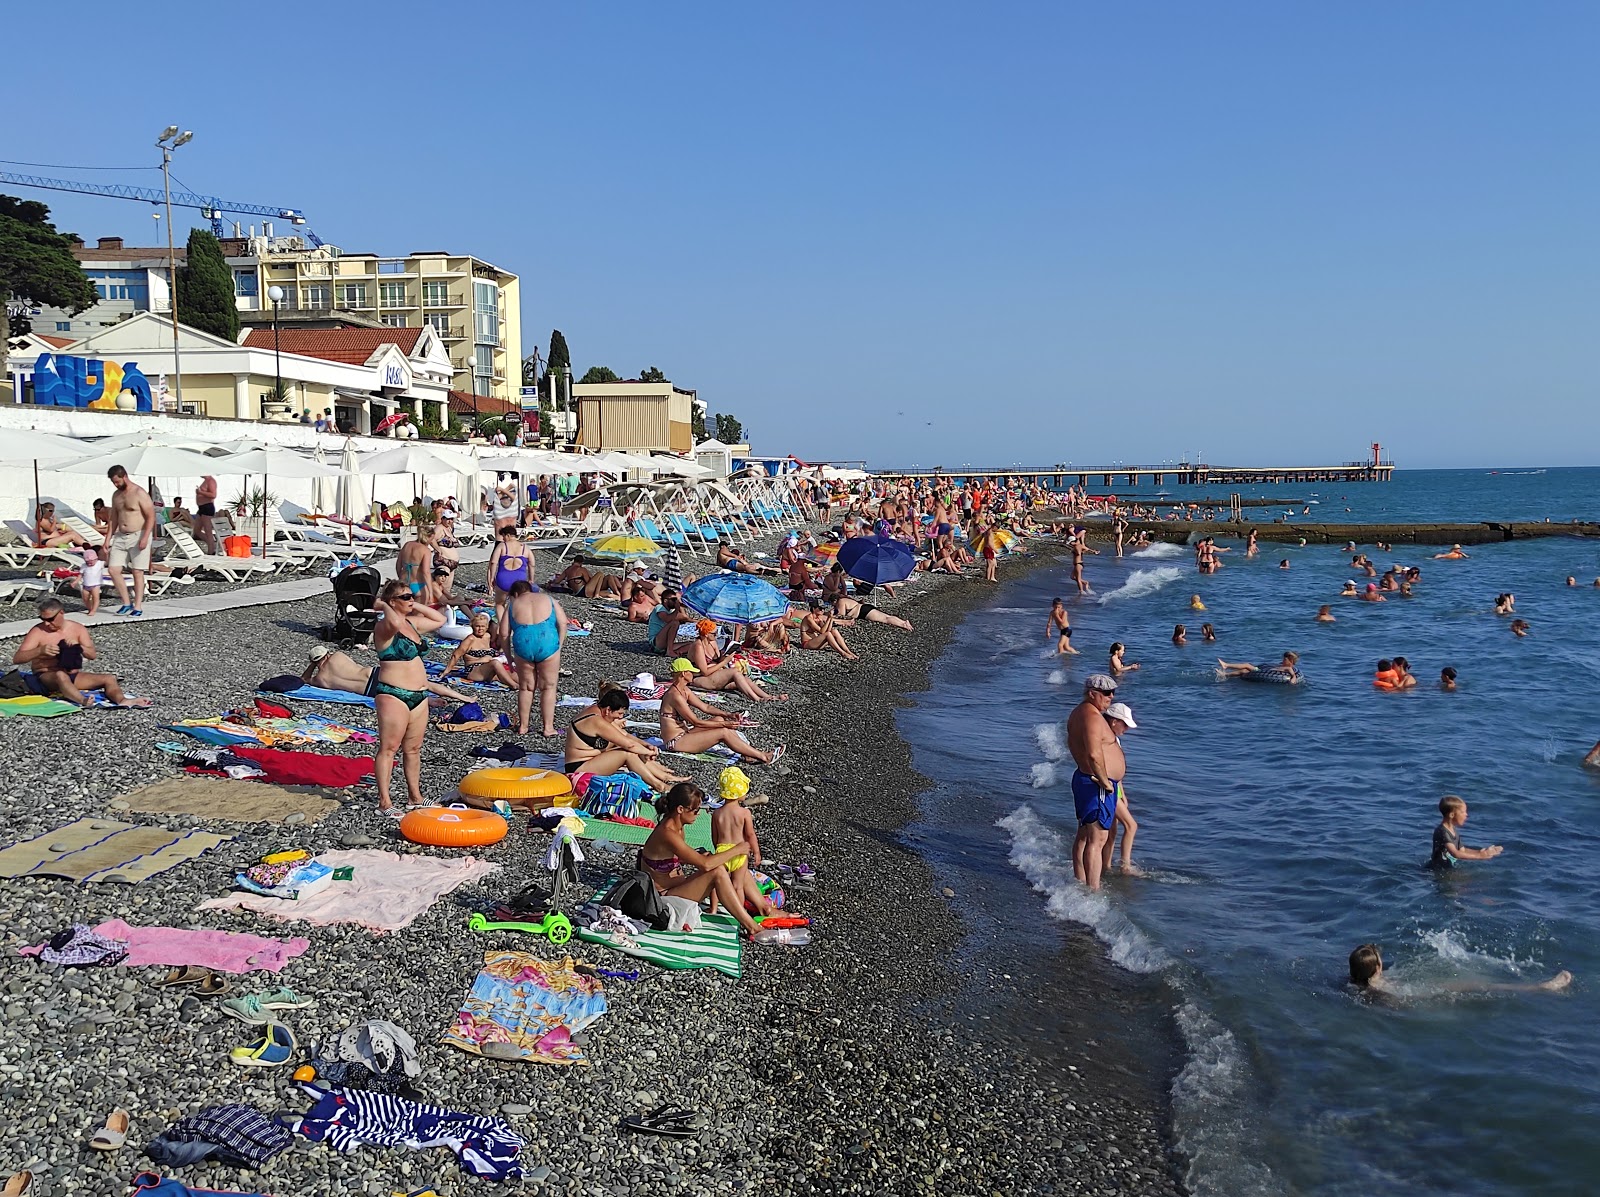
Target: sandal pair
pixel 207 982
pixel 666 1121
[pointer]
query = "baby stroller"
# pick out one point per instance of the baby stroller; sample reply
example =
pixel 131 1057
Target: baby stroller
pixel 355 590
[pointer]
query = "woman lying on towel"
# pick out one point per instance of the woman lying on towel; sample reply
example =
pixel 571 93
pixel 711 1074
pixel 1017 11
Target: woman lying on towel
pixel 597 743
pixel 331 669
pixel 685 872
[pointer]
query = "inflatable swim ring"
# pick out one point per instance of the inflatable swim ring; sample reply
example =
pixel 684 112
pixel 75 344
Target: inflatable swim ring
pixel 453 827
pixel 1272 674
pixel 516 785
pixel 453 631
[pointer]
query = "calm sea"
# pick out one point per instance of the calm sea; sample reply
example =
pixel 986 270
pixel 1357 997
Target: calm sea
pixel 1283 826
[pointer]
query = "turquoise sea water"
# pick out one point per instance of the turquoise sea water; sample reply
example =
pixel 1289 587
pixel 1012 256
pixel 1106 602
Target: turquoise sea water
pixel 1283 826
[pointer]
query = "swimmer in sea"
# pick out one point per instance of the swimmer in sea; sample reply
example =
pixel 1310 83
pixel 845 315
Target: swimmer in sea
pixel 1366 974
pixel 1593 759
pixel 1180 635
pixel 1404 678
pixel 1059 626
pixel 1505 604
pixel 1349 590
pixel 1325 614
pixel 1118 666
pixel 1371 594
pixel 1447 846
pixel 1208 633
pixel 1520 627
pixel 1195 604
pixel 1455 554
pixel 1284 564
pixel 1447 678
pixel 1285 670
pixel 1571 581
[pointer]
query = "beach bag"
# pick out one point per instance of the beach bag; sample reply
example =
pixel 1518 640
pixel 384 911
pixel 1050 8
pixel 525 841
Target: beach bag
pixel 637 897
pixel 619 794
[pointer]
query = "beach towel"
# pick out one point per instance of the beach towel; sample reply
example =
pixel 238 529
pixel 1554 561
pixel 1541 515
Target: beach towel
pixel 697 834
pixel 35 706
pixel 105 850
pixel 535 1005
pixel 715 944
pixel 346 1118
pixel 318 694
pixel 387 891
pixel 285 767
pixel 225 951
pixel 234 801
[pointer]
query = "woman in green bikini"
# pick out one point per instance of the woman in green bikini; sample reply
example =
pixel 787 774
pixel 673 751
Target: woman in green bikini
pixel 400 693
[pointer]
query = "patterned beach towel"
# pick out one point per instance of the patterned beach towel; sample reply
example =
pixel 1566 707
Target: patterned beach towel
pixel 535 1005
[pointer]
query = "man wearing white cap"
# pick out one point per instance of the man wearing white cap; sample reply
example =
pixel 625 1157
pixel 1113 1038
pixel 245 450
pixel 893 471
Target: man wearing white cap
pixel 1120 719
pixel 1097 780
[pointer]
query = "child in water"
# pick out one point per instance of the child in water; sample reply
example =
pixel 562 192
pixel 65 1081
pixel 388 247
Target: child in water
pixel 1059 626
pixel 1447 846
pixel 1118 666
pixel 1366 974
pixel 1447 678
pixel 1180 635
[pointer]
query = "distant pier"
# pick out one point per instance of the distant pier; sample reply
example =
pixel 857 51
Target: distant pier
pixel 1058 477
pixel 1481 532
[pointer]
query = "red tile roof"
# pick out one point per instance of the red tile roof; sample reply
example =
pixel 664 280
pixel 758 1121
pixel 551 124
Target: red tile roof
pixel 58 342
pixel 353 345
pixel 487 405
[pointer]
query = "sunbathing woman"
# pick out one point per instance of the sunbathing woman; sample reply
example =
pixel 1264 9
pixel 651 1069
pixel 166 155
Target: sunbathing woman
pixel 685 872
pixel 331 669
pixel 834 582
pixel 714 673
pixel 768 636
pixel 580 582
pixel 847 610
pixel 47 534
pixel 596 743
pixel 689 724
pixel 817 631
pixel 400 692
pixel 478 659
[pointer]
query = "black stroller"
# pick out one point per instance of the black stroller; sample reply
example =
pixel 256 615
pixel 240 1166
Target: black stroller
pixel 355 590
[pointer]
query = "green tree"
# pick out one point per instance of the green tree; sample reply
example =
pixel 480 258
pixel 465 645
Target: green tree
pixel 205 288
pixel 37 266
pixel 729 430
pixel 599 374
pixel 557 365
pixel 652 374
pixel 697 423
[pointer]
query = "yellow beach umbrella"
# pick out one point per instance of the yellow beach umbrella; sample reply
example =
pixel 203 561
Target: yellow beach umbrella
pixel 621 547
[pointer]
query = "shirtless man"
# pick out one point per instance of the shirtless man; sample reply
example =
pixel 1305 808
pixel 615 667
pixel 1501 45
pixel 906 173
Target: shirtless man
pixel 205 510
pixel 55 649
pixel 133 523
pixel 1097 780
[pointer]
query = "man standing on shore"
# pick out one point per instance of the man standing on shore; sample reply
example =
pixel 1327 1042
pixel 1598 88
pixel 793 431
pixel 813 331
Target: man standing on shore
pixel 133 523
pixel 1097 780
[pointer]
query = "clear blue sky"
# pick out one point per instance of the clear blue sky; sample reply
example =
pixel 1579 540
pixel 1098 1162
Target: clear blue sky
pixel 933 232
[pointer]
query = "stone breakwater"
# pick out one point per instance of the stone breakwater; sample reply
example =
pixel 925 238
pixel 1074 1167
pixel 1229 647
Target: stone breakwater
pixel 827 1068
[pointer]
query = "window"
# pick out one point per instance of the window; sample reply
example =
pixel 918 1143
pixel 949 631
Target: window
pixel 394 267
pixel 392 321
pixel 391 295
pixel 244 284
pixel 483 360
pixel 485 313
pixel 439 322
pixel 435 295
pixel 352 295
pixel 316 295
pixel 63 326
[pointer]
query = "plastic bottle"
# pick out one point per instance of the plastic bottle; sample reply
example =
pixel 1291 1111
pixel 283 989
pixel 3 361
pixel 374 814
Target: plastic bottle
pixel 792 937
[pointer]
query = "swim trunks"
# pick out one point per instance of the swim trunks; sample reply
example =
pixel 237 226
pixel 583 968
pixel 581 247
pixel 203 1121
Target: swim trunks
pixel 125 552
pixel 1093 804
pixel 206 509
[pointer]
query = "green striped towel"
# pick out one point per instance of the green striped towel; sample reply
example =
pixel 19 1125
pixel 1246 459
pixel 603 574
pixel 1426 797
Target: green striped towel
pixel 697 833
pixel 714 945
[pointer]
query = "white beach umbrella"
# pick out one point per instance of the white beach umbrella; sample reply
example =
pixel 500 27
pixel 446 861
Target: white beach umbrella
pixel 273 459
pixel 25 446
pixel 351 503
pixel 324 492
pixel 680 466
pixel 147 461
pixel 419 458
pixel 467 485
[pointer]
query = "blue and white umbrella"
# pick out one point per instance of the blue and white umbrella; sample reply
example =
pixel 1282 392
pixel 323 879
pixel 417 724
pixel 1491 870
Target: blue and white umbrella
pixel 877 559
pixel 735 598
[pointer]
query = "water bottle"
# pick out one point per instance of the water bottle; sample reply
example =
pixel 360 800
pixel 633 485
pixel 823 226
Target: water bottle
pixel 792 937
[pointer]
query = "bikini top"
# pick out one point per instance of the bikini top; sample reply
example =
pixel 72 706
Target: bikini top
pixel 598 743
pixel 401 648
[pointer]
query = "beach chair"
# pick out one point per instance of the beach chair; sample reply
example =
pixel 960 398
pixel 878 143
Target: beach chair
pixel 84 529
pixel 648 528
pixel 12 593
pixel 705 532
pixel 188 553
pixel 24 555
pixel 306 544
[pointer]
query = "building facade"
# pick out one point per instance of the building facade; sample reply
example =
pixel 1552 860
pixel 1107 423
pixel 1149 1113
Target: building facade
pixel 635 416
pixel 473 307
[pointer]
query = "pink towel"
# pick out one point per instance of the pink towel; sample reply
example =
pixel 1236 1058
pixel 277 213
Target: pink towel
pixel 225 951
pixel 387 891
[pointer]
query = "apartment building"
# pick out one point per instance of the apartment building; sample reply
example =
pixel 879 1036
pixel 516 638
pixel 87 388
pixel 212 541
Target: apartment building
pixel 127 280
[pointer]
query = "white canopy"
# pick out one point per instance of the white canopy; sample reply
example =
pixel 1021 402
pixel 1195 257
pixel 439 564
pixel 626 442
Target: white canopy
pixel 419 458
pixel 681 466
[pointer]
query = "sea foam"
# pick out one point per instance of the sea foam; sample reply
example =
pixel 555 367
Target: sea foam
pixel 1161 550
pixel 1144 581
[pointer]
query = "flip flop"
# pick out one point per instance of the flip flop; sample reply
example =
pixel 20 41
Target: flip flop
pixel 273 1050
pixel 500 1050
pixel 19 1184
pixel 670 1124
pixel 213 986
pixel 113 1134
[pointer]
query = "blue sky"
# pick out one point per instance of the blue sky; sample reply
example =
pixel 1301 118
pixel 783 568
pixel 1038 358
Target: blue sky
pixel 936 233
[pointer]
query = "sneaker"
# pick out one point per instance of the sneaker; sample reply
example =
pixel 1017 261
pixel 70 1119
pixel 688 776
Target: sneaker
pixel 135 611
pixel 283 998
pixel 125 609
pixel 249 1008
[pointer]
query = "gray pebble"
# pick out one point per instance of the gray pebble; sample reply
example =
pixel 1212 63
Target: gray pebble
pixel 514 1109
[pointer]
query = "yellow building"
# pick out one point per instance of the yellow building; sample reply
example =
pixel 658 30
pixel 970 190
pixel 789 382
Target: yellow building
pixel 635 416
pixel 473 306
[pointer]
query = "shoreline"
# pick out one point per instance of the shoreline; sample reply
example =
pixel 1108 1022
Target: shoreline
pixel 844 1062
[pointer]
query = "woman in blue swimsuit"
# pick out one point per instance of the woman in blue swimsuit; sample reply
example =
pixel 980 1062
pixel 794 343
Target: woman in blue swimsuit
pixel 533 628
pixel 400 691
pixel 509 563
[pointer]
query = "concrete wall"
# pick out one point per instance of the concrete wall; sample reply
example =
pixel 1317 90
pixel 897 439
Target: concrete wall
pixel 79 491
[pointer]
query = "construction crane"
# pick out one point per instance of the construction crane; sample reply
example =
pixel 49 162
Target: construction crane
pixel 210 206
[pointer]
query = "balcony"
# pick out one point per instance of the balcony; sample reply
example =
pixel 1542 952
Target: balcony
pixel 455 332
pixel 404 305
pixel 448 301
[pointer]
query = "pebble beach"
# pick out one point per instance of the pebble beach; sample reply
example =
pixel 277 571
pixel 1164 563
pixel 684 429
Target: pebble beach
pixel 845 1066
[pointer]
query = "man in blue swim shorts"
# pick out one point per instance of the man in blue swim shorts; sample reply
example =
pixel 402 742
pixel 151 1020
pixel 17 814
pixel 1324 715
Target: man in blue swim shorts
pixel 1097 780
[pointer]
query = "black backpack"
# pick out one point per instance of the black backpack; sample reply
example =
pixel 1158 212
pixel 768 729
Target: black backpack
pixel 637 897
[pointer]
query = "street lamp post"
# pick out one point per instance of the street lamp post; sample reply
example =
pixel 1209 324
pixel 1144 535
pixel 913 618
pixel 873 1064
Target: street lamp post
pixel 170 140
pixel 275 293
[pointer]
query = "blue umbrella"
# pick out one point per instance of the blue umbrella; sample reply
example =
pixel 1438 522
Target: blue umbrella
pixel 877 559
pixel 735 598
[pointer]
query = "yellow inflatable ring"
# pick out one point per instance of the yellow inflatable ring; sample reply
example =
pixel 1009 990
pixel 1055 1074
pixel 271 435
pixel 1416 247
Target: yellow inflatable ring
pixel 453 827
pixel 515 785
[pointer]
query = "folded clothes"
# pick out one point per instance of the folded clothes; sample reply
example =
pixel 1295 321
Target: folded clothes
pixel 234 1134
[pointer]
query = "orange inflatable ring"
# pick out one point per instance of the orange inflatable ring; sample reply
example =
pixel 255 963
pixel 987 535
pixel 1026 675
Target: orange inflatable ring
pixel 453 827
pixel 515 785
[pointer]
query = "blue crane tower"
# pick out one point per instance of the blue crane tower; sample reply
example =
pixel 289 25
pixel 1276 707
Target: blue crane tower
pixel 210 206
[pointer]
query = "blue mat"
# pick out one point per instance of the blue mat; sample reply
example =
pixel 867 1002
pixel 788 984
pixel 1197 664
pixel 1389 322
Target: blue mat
pixel 318 694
